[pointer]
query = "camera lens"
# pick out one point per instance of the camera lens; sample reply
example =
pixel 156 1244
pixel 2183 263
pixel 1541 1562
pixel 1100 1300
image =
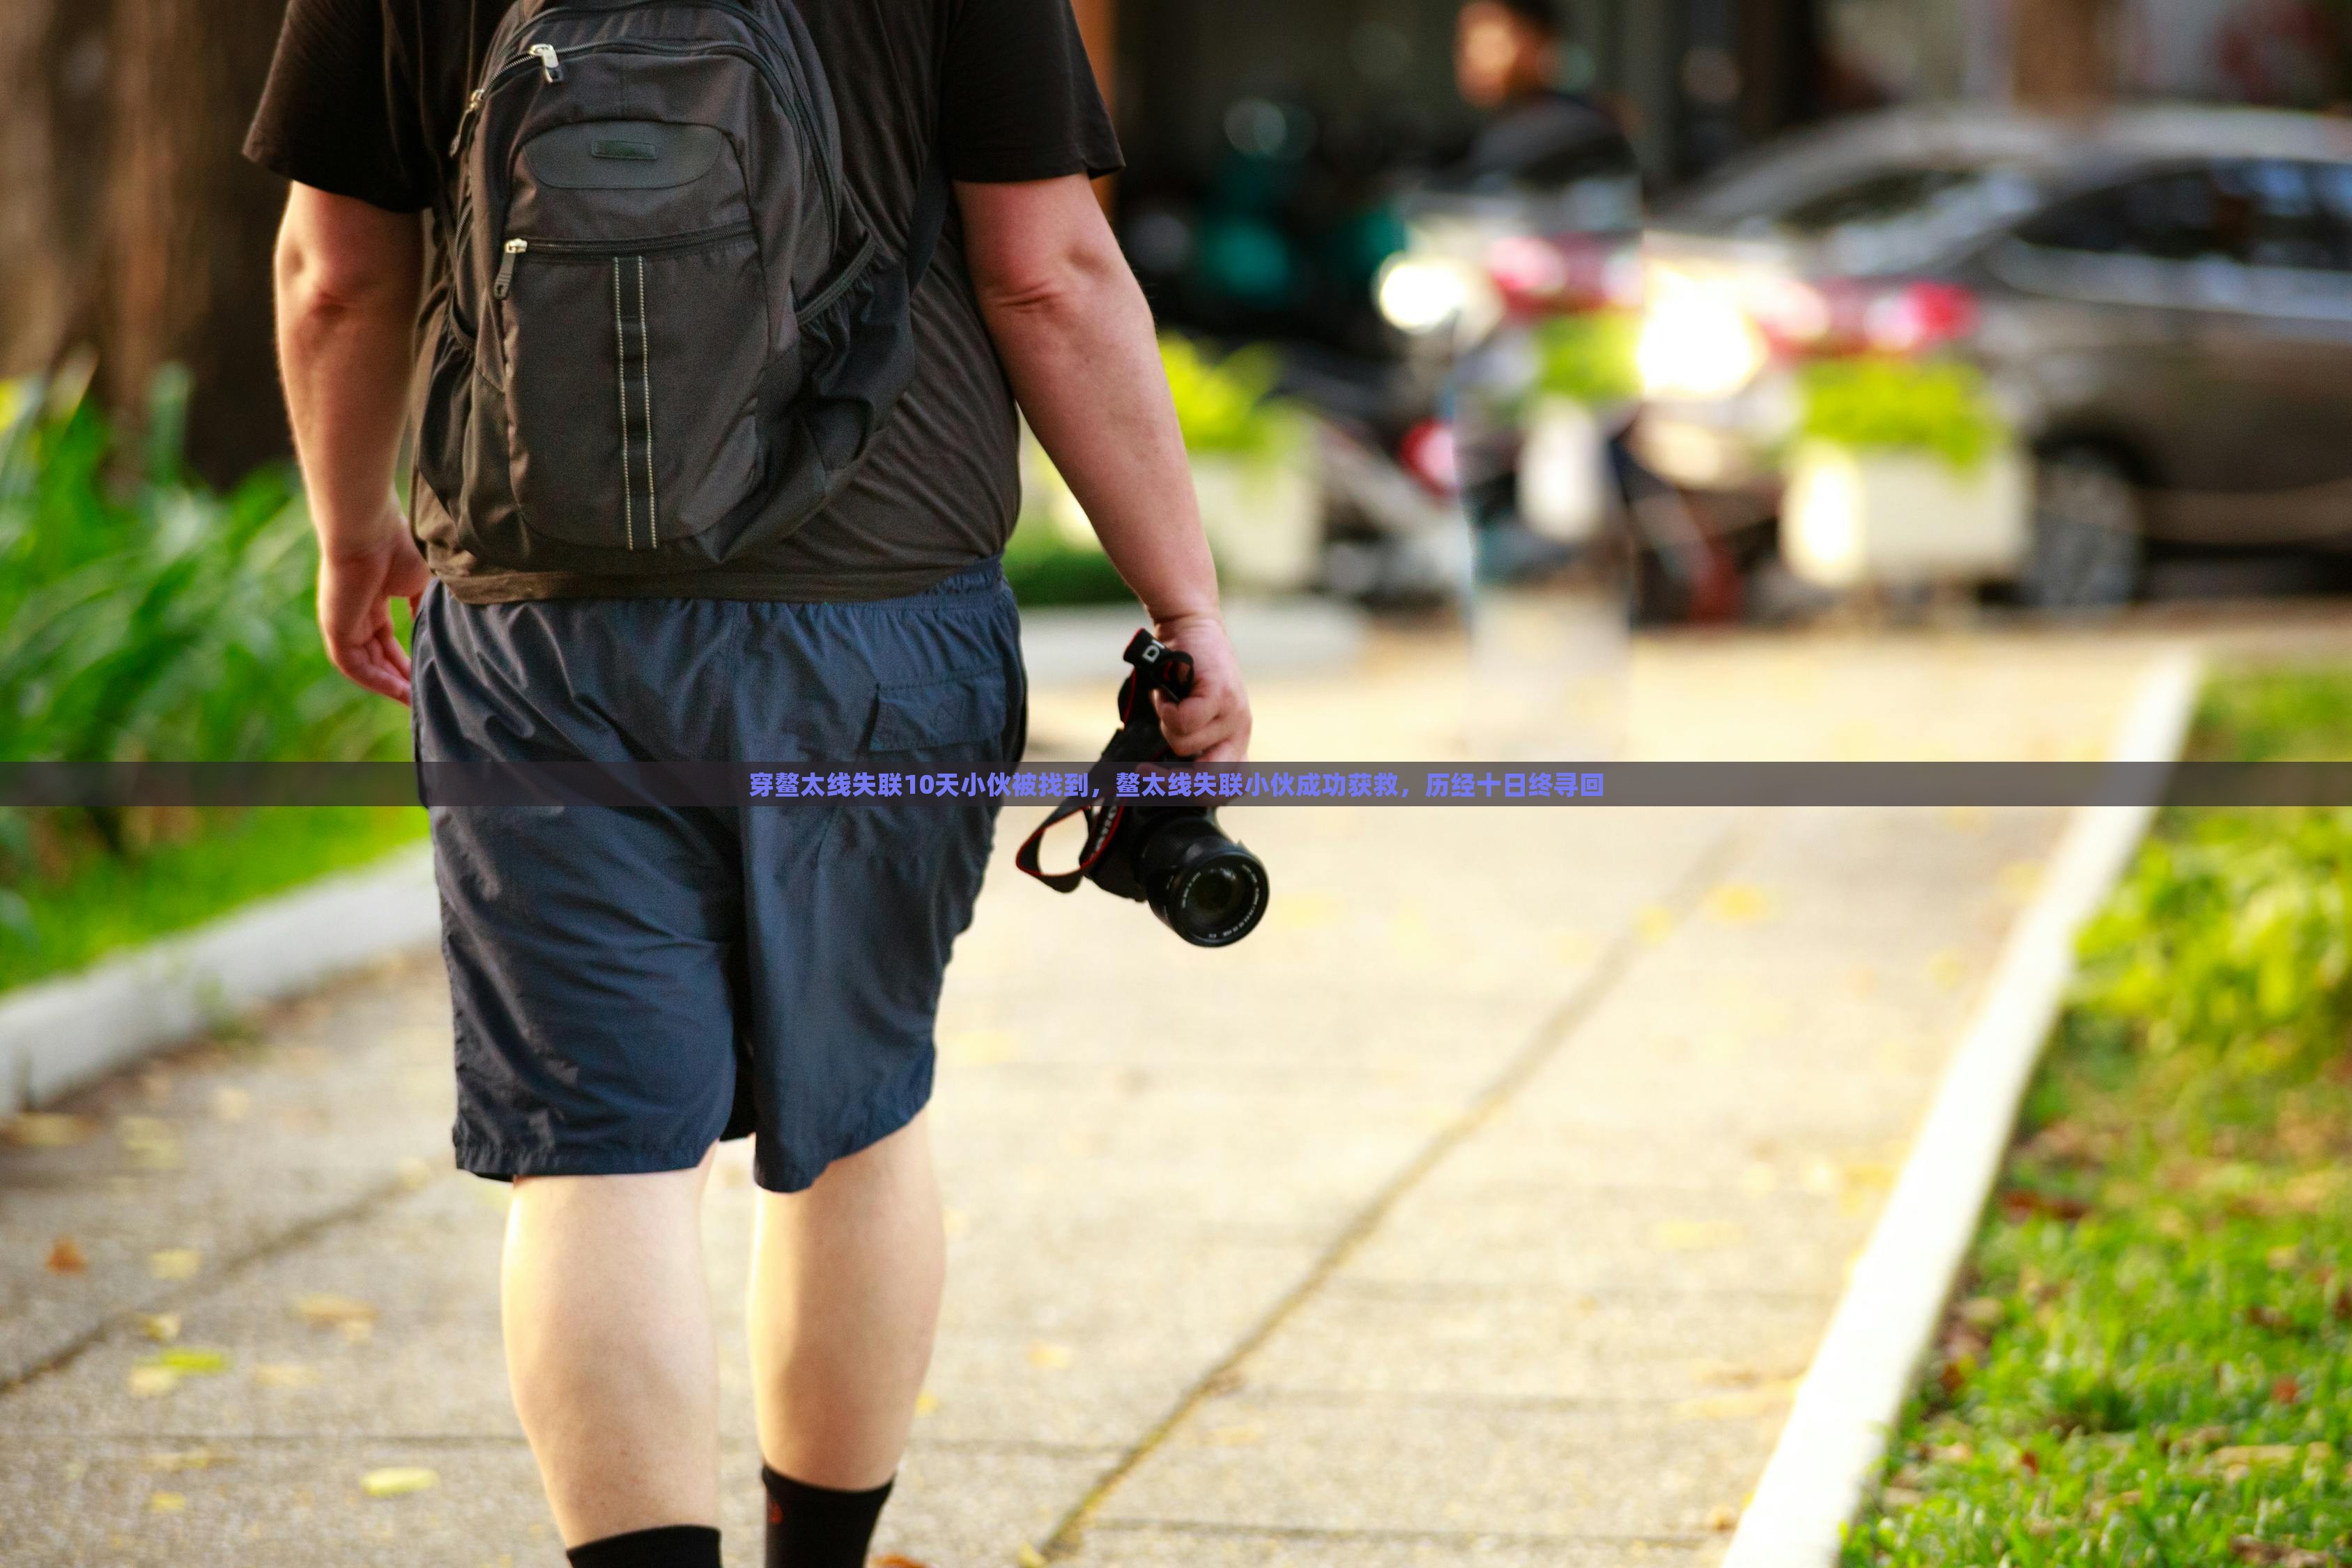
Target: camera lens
pixel 1207 889
pixel 1212 896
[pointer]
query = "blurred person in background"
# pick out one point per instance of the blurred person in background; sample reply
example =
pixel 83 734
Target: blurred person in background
pixel 1507 62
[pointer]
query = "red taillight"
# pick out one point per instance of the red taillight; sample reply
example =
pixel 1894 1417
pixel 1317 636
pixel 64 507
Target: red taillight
pixel 1846 315
pixel 1542 276
pixel 1430 456
pixel 1918 316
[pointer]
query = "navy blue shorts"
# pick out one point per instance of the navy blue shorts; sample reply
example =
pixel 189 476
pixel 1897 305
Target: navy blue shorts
pixel 631 985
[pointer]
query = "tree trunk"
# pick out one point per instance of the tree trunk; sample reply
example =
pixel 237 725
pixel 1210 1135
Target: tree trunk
pixel 2061 54
pixel 131 222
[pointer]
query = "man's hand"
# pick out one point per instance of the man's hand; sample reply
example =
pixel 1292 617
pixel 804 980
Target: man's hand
pixel 1213 725
pixel 355 592
pixel 348 277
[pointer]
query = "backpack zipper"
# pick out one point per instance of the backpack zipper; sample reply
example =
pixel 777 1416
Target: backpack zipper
pixel 601 249
pixel 544 58
pixel 816 304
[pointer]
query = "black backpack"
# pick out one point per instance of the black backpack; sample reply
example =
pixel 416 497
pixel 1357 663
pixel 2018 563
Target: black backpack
pixel 665 337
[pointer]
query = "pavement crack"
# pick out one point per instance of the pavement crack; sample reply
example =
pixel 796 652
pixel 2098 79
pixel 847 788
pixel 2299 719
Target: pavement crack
pixel 1706 870
pixel 65 1354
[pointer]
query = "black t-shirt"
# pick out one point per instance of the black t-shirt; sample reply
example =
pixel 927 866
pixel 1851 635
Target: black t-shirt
pixel 364 96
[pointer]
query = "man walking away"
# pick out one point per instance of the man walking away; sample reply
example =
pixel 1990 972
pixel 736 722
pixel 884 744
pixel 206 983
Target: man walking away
pixel 632 987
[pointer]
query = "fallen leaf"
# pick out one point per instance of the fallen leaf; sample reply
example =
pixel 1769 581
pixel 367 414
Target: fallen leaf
pixel 171 1461
pixel 2024 1204
pixel 231 1104
pixel 1722 1520
pixel 398 1480
pixel 176 1263
pixel 2270 1318
pixel 152 1142
pixel 1655 924
pixel 149 1381
pixel 1050 1356
pixel 47 1129
pixel 414 1172
pixel 1029 1556
pixel 325 1310
pixel 1740 903
pixel 285 1375
pixel 926 1403
pixel 898 1559
pixel 188 1361
pixel 161 1327
pixel 1948 969
pixel 166 1502
pixel 1695 1234
pixel 2286 1391
pixel 2248 1549
pixel 66 1256
pixel 2258 1454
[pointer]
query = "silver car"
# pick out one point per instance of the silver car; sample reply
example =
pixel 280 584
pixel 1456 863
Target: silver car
pixel 2161 297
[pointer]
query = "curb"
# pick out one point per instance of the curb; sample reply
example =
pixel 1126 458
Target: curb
pixel 1899 1287
pixel 60 1034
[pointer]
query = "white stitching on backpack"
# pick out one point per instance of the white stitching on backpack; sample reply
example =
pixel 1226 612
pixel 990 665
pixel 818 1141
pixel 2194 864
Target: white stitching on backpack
pixel 646 365
pixel 621 363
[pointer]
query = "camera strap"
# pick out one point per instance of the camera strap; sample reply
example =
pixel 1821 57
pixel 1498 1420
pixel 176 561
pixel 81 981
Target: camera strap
pixel 1139 740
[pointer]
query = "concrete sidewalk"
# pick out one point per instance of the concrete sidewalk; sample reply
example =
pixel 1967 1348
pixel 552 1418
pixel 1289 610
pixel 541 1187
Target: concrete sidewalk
pixel 1480 1209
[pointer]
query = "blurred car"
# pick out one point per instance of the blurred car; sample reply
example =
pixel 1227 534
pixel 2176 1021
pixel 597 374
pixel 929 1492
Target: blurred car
pixel 2161 298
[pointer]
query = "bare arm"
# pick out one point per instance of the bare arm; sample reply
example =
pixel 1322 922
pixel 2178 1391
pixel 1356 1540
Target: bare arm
pixel 347 277
pixel 1077 338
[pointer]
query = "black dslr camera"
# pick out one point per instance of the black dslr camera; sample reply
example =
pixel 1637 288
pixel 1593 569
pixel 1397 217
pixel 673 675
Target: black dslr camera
pixel 1203 887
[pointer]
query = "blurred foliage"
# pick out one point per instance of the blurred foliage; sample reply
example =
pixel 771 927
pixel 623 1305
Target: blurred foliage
pixel 1877 402
pixel 1044 568
pixel 1227 407
pixel 193 866
pixel 1589 358
pixel 2276 715
pixel 2152 1361
pixel 144 617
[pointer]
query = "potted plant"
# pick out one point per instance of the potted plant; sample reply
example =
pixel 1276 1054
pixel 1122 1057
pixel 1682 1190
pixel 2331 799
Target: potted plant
pixel 1253 467
pixel 1254 464
pixel 1903 472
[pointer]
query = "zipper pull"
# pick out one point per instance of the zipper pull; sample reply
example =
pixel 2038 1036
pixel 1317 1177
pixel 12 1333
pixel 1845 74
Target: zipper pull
pixel 506 269
pixel 548 66
pixel 465 120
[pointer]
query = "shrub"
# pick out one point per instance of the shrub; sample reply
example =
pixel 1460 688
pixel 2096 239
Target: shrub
pixel 144 617
pixel 1874 402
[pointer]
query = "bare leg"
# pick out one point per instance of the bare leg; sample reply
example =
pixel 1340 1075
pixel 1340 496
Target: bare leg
pixel 845 1281
pixel 610 1351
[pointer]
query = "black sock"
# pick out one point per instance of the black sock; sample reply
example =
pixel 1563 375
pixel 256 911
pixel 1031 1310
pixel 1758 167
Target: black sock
pixel 671 1546
pixel 817 1527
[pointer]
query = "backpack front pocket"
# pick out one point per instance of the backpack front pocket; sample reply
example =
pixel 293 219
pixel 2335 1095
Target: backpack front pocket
pixel 632 377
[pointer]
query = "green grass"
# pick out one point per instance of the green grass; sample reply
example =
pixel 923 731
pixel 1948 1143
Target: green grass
pixel 2151 1359
pixel 104 902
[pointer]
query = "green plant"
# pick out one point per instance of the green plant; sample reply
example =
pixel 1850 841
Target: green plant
pixel 1880 403
pixel 1227 407
pixel 144 617
pixel 1589 358
pixel 2151 1363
